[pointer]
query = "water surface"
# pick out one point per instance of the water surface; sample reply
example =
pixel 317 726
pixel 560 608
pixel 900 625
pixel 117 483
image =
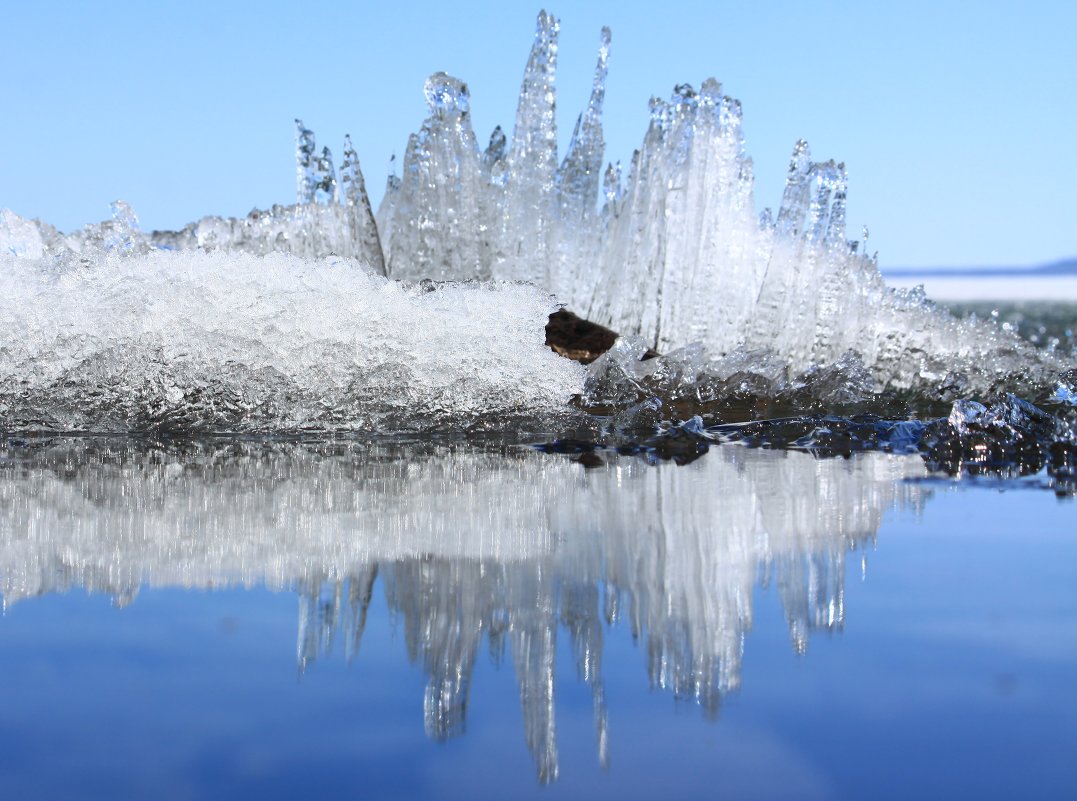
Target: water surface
pixel 226 618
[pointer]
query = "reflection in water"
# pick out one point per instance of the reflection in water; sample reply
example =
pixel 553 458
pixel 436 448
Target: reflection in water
pixel 495 544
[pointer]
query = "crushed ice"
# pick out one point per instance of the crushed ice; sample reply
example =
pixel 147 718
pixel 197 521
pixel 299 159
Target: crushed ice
pixel 237 342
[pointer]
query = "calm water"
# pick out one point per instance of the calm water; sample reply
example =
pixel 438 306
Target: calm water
pixel 284 620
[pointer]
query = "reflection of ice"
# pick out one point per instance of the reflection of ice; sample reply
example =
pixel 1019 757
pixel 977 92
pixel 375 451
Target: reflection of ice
pixel 507 546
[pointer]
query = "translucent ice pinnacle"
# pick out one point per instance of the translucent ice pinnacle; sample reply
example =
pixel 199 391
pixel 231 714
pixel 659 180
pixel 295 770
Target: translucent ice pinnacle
pixel 332 215
pixel 441 191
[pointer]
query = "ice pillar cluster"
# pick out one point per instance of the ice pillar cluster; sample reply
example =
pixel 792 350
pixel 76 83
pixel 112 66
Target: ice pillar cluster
pixel 672 250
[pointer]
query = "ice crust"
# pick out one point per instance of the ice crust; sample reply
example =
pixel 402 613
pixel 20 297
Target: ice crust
pixel 196 341
pixel 515 553
pixel 670 251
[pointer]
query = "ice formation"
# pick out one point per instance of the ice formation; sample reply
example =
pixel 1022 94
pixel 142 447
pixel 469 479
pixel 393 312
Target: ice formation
pixel 675 256
pixel 330 216
pixel 234 342
pixel 677 253
pixel 514 552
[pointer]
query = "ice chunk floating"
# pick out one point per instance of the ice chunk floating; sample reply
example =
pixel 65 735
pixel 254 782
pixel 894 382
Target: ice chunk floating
pixel 101 329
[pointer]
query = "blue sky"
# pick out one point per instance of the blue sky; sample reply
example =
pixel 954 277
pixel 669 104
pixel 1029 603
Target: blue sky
pixel 956 121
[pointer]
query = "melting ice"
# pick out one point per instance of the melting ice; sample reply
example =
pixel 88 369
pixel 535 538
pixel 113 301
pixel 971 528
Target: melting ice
pixel 101 328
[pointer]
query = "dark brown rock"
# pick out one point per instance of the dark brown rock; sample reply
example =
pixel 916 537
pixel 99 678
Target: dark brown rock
pixel 576 338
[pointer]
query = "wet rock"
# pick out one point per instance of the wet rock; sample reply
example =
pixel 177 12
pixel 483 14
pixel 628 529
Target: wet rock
pixel 575 338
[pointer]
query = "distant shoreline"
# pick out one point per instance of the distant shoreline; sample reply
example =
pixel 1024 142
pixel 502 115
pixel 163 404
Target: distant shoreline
pixel 995 286
pixel 1059 268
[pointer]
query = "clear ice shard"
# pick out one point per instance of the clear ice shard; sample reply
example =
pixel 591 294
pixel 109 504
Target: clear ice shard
pixel 316 180
pixel 20 238
pixel 525 247
pixel 441 191
pixel 577 192
pixel 332 216
pixel 363 230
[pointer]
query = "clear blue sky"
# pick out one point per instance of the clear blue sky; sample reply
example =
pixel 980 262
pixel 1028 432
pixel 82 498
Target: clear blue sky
pixel 957 121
